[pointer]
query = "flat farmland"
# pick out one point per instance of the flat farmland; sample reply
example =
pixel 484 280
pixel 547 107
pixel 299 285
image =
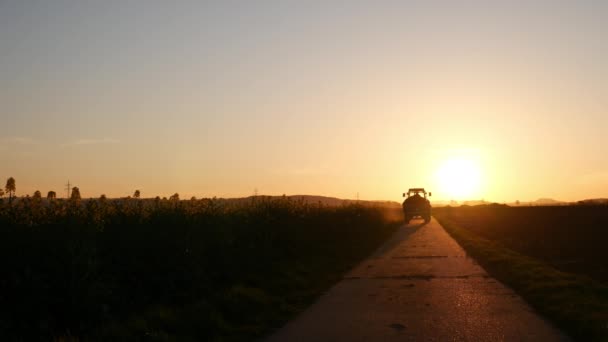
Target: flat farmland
pixel 553 257
pixel 573 239
pixel 171 270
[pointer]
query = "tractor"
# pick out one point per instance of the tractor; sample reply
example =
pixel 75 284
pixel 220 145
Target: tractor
pixel 417 204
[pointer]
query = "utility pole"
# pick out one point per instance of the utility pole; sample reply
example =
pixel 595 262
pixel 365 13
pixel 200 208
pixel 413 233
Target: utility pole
pixel 67 188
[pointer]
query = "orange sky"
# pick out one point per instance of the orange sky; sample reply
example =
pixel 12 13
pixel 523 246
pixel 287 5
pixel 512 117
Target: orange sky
pixel 315 98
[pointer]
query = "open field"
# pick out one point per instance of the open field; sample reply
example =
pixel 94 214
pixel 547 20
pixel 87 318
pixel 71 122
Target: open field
pixel 570 238
pixel 554 257
pixel 173 270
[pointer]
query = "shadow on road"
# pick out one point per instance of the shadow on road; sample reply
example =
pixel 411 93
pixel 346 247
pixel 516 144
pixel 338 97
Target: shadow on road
pixel 403 233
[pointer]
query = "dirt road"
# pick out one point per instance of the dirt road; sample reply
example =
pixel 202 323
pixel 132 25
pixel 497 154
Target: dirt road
pixel 419 286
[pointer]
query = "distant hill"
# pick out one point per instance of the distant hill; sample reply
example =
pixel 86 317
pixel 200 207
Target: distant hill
pixel 547 201
pixel 539 202
pixel 476 202
pixel 313 199
pixel 594 201
pixel 332 201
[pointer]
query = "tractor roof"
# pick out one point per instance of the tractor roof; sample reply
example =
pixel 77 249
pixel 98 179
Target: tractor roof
pixel 416 190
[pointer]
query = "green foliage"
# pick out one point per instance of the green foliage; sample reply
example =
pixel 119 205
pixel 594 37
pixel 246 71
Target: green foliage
pixel 172 270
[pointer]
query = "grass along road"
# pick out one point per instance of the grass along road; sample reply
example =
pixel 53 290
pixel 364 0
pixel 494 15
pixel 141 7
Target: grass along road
pixel 576 303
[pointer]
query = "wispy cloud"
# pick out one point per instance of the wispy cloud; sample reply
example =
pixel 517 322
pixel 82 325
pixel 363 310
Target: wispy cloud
pixel 81 142
pixel 19 140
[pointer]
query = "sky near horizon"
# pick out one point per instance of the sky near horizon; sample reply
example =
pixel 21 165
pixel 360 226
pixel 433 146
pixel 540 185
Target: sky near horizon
pixel 305 97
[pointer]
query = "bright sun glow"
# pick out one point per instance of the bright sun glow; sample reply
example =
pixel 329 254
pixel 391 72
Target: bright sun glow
pixel 459 178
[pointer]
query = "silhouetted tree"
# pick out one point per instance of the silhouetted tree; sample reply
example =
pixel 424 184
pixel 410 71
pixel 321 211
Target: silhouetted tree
pixel 51 195
pixel 174 197
pixel 102 198
pixel 75 194
pixel 37 195
pixel 1 193
pixel 10 188
pixel 136 194
pixel 193 198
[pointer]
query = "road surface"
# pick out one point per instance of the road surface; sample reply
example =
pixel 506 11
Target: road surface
pixel 419 286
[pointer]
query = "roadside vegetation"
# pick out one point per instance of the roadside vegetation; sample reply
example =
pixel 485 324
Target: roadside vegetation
pixel 169 269
pixel 554 257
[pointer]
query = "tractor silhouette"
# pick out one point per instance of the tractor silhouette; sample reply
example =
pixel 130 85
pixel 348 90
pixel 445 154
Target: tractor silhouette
pixel 416 205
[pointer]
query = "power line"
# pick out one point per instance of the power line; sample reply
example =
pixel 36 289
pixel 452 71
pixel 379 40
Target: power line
pixel 67 188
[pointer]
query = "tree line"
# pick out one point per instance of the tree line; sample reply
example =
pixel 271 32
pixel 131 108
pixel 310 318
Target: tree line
pixel 11 188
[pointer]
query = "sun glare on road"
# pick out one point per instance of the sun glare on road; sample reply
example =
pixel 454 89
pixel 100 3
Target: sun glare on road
pixel 459 178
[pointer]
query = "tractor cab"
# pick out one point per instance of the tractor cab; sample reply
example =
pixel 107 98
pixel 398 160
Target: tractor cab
pixel 417 191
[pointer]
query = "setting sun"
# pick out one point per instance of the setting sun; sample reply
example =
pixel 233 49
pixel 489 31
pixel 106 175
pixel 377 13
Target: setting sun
pixel 459 178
